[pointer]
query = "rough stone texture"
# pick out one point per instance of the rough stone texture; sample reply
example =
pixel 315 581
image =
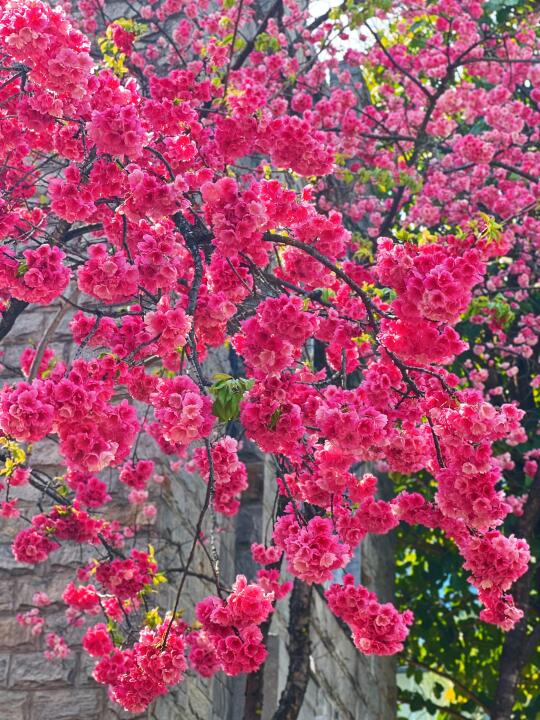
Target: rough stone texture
pixel 344 685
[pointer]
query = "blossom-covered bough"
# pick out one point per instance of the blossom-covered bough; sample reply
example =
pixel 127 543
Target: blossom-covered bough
pixel 337 198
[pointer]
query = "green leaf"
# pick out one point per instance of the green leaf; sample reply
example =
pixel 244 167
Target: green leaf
pixel 228 393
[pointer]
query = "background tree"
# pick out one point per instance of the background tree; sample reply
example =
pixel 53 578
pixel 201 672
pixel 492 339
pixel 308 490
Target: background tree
pixel 349 200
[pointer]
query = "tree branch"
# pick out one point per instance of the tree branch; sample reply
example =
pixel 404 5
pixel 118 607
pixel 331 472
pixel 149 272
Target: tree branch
pixel 293 694
pixel 244 54
pixel 462 688
pixel 517 646
pixel 9 316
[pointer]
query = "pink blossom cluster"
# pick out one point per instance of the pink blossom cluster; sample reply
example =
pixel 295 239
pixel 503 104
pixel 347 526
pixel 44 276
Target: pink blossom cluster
pixel 136 475
pixel 160 258
pixel 214 310
pixel 169 325
pixel 69 522
pixel 421 342
pixel 93 433
pixel 376 516
pixel 117 131
pixel 26 412
pixel 467 485
pixel 183 413
pixel 265 555
pixel 125 578
pixel 45 40
pixel 235 136
pixel 32 619
pixel 270 582
pixel 495 561
pixel 228 472
pixel 110 278
pixel 312 550
pixel 71 199
pixel 57 647
pixel 40 278
pixel 431 281
pixel 150 196
pixel 378 629
pixel 232 627
pixel 351 425
pixel 122 38
pixel 202 654
pixel 499 609
pixel 97 641
pixel 89 490
pixel 138 675
pixel 238 218
pixel 83 598
pixel 272 339
pixel 293 143
pixel 31 546
pixel 64 522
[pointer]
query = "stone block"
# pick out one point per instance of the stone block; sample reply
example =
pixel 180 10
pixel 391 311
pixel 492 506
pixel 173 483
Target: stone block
pixel 12 705
pixel 52 583
pixel 33 670
pixel 65 705
pixel 4 667
pixel 8 562
pixel 13 635
pixel 46 454
pixel 6 594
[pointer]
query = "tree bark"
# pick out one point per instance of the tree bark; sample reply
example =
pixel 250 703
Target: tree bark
pixel 299 648
pixel 254 693
pixel 15 308
pixel 518 645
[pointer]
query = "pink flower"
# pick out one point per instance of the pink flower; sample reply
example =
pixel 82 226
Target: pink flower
pixel 183 413
pixel 230 476
pixel 137 475
pixel 31 619
pixel 313 551
pixel 70 198
pixel 83 598
pixel 57 648
pixel 202 655
pixel 377 629
pixel 32 547
pixel 293 143
pixel 265 555
pixel 42 276
pixel 126 578
pixel 137 676
pixel 97 641
pixel 25 412
pixel 41 599
pixel 110 278
pixel 9 509
pixel 117 131
pixel 495 561
pixel 272 339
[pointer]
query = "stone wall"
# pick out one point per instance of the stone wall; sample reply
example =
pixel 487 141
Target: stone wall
pixel 344 685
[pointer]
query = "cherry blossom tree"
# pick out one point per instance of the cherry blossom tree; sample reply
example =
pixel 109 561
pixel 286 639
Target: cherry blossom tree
pixel 348 201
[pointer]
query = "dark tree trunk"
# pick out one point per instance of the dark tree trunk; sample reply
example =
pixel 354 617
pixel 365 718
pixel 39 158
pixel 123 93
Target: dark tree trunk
pixel 15 308
pixel 254 693
pixel 299 648
pixel 518 645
